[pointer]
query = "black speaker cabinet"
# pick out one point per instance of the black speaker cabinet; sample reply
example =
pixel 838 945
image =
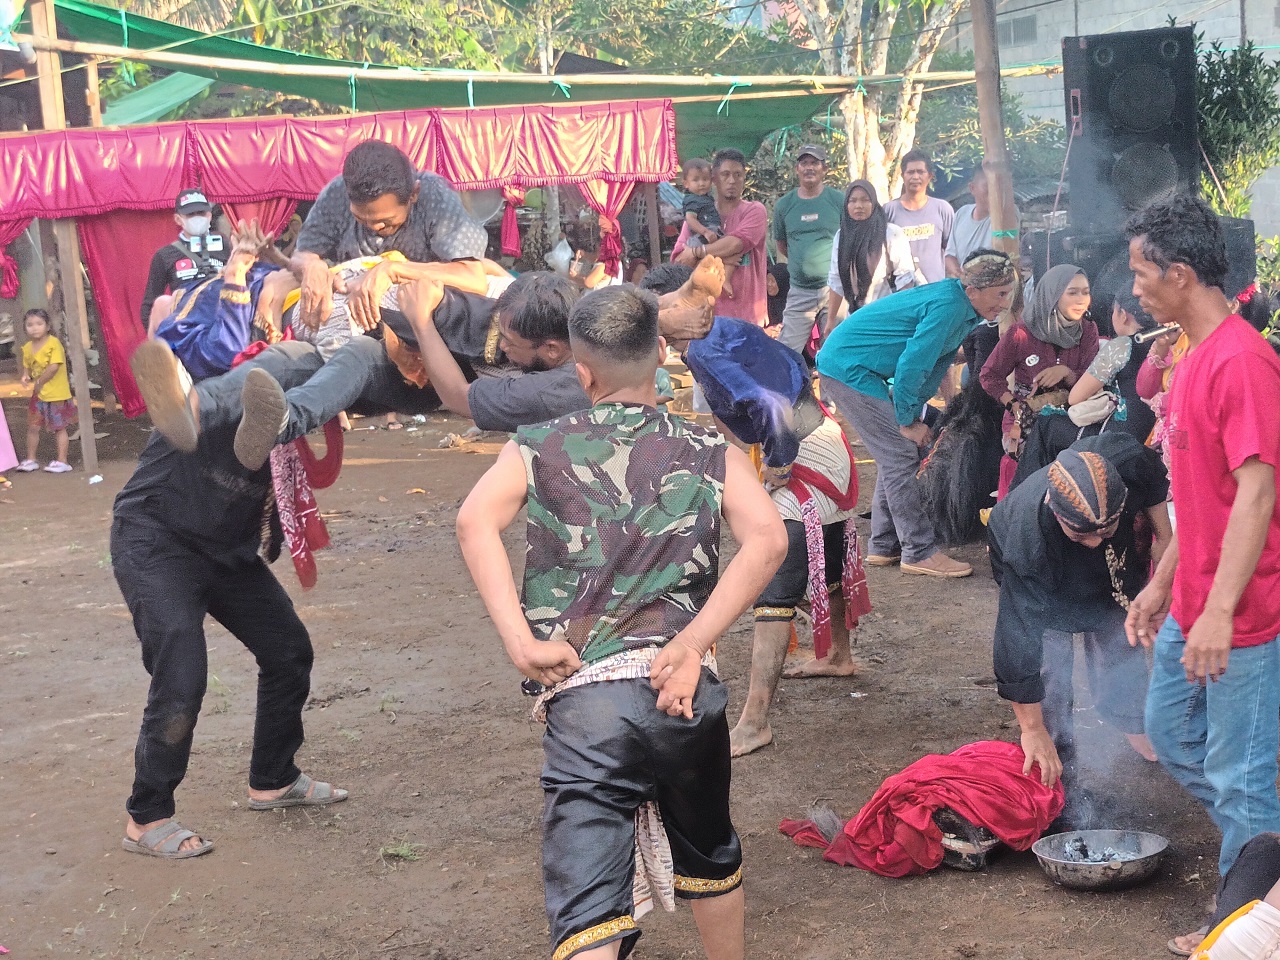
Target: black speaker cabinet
pixel 1131 100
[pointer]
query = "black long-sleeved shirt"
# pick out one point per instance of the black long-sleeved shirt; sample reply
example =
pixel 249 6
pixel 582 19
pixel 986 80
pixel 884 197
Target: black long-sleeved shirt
pixel 1048 581
pixel 177 265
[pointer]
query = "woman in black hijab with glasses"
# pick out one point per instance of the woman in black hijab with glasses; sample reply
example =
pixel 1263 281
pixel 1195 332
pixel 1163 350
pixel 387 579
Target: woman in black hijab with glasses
pixel 870 257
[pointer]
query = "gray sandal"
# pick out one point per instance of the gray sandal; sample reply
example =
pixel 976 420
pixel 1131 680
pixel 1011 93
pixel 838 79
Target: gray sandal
pixel 165 840
pixel 305 792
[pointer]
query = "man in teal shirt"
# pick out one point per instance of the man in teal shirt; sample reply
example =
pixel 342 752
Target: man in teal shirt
pixel 804 223
pixel 880 367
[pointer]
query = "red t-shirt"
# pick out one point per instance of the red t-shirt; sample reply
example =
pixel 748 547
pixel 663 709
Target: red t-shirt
pixel 1224 408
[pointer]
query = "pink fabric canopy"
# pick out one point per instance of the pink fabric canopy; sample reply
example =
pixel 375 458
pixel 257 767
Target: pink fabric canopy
pixel 262 166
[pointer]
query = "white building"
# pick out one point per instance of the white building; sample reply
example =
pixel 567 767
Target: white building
pixel 1031 31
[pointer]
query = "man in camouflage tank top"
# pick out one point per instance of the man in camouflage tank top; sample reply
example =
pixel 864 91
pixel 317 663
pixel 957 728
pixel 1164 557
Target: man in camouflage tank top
pixel 622 602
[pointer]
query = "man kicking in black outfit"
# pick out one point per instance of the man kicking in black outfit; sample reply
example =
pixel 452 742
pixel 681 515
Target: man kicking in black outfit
pixel 185 538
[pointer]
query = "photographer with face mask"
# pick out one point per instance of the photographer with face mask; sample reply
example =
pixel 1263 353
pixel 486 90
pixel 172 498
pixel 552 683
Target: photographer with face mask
pixel 196 255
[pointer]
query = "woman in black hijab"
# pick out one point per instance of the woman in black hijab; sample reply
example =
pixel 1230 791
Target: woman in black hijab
pixel 870 257
pixel 777 285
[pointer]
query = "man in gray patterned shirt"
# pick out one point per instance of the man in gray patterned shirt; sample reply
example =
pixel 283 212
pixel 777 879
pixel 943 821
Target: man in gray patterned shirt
pixel 378 204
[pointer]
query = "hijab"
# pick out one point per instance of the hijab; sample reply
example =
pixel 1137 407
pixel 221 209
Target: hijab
pixel 1042 319
pixel 861 246
pixel 778 303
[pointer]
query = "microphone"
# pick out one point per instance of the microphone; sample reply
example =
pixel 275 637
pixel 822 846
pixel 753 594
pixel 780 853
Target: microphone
pixel 1155 333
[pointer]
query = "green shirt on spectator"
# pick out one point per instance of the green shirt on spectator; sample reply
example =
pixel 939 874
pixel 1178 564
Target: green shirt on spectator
pixel 807 227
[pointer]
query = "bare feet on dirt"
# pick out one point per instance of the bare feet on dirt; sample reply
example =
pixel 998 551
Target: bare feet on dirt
pixel 1142 746
pixel 938 565
pixel 747 738
pixel 829 666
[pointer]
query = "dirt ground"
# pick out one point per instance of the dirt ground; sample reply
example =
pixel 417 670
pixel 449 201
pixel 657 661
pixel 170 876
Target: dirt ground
pixel 415 709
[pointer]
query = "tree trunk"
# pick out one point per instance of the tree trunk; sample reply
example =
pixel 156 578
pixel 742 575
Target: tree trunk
pixel 866 153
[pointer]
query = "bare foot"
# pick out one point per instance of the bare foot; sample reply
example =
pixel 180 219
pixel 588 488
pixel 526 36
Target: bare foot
pixel 826 667
pixel 701 289
pixel 134 831
pixel 747 738
pixel 1142 746
pixel 727 288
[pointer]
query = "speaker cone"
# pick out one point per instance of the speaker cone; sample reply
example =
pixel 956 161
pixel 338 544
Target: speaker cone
pixel 1143 173
pixel 1142 99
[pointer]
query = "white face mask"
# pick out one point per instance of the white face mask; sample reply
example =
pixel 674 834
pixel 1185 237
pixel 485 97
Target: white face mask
pixel 196 226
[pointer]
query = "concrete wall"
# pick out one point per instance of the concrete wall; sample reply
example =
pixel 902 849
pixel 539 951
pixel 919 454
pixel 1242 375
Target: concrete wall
pixel 1055 19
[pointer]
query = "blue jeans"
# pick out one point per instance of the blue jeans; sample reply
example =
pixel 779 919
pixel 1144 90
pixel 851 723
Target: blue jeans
pixel 1220 741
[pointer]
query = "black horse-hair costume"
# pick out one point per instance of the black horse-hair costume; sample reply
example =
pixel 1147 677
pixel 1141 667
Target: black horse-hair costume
pixel 962 470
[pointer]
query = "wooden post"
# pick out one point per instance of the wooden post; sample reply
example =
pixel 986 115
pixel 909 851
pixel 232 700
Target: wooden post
pixel 76 329
pixel 655 224
pixel 986 61
pixel 94 101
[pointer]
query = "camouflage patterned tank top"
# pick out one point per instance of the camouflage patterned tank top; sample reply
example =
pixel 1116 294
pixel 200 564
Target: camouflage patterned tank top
pixel 624 527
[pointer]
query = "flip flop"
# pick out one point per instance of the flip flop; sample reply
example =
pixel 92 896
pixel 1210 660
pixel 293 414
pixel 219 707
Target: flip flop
pixel 164 842
pixel 305 792
pixel 1178 951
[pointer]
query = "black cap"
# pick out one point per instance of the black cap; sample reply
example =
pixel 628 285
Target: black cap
pixel 192 201
pixel 812 150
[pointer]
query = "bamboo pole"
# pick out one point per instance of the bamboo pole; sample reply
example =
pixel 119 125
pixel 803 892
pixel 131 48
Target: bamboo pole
pixel 76 331
pixel 986 58
pixel 812 84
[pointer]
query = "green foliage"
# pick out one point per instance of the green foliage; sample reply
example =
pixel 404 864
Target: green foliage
pixel 1269 269
pixel 652 36
pixel 1239 119
pixel 394 32
pixel 949 131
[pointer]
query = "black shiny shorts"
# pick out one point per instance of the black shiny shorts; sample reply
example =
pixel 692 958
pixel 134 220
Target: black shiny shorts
pixel 608 751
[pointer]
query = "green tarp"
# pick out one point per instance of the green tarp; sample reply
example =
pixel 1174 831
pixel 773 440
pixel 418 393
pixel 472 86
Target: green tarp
pixel 155 100
pixel 725 120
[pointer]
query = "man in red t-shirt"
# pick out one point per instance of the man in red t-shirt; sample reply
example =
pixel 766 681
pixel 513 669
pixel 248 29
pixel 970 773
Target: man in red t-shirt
pixel 1213 708
pixel 745 224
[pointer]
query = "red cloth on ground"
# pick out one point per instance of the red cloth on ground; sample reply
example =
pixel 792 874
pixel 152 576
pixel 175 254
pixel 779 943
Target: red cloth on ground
pixel 894 834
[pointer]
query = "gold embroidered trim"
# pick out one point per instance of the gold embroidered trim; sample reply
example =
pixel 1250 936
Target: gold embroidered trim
pixel 185 306
pixel 690 885
pixel 601 931
pixel 777 613
pixel 235 296
pixel 491 341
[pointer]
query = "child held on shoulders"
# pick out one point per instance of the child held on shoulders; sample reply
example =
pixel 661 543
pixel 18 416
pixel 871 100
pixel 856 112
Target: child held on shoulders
pixel 44 369
pixel 700 213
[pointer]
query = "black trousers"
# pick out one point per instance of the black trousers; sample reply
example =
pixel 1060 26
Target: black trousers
pixel 1251 877
pixel 790 584
pixel 608 751
pixel 169 586
pixel 359 377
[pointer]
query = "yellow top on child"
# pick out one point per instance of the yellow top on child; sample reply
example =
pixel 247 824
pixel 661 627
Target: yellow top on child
pixel 38 356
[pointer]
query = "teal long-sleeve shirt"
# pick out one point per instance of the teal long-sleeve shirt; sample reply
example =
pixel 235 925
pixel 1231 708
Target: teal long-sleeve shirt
pixel 910 338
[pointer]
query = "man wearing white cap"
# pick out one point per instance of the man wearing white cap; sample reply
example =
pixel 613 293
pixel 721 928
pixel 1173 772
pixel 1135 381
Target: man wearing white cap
pixel 196 255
